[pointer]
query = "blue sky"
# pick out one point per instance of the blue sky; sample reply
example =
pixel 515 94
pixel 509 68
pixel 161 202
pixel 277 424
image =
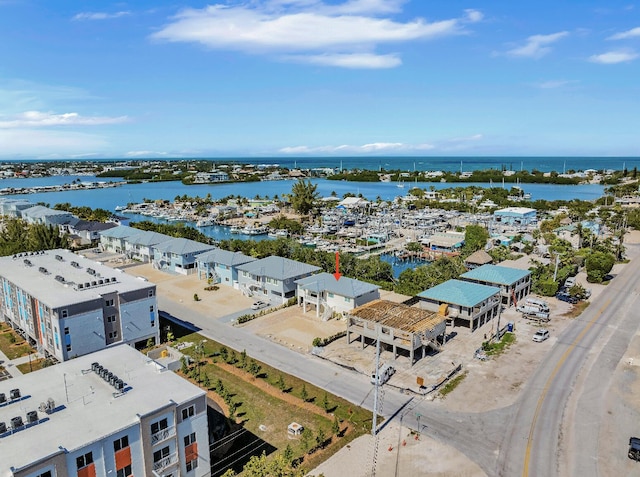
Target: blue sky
pixel 94 79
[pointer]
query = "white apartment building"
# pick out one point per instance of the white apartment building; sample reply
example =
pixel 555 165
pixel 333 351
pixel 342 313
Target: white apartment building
pixel 114 413
pixel 69 306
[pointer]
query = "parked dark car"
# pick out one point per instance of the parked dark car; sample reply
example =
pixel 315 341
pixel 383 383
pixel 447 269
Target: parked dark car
pixel 564 296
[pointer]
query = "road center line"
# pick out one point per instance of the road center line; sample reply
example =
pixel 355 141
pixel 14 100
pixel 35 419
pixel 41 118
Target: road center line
pixel 527 457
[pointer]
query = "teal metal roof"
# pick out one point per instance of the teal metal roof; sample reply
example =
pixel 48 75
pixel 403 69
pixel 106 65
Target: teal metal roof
pixel 347 287
pixel 457 292
pixel 496 274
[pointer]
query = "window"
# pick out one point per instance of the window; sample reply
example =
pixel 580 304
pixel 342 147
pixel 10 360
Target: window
pixel 158 426
pixel 191 465
pixel 45 474
pixel 68 347
pixel 84 460
pixel 151 309
pixel 347 299
pixel 161 454
pixel 121 443
pixel 188 412
pixel 190 439
pixel 111 318
pixel 65 313
pixel 150 293
pixel 108 302
pixel 66 330
pixel 330 295
pixel 124 472
pixel 153 323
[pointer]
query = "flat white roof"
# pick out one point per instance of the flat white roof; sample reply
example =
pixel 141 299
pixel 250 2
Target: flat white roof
pixel 36 273
pixel 91 411
pixel 515 210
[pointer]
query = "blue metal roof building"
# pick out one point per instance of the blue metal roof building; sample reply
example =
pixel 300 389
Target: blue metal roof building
pixel 467 304
pixel 514 283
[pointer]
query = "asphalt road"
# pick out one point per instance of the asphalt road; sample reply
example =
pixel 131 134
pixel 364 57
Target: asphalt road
pixel 581 362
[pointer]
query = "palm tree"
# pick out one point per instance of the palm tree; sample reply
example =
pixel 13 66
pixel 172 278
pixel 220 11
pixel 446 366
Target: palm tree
pixel 304 195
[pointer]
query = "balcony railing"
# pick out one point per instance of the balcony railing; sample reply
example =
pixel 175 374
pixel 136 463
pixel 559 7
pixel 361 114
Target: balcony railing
pixel 163 435
pixel 165 462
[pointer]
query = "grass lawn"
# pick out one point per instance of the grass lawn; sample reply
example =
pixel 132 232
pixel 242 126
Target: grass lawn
pixel 12 344
pixel 276 409
pixel 35 365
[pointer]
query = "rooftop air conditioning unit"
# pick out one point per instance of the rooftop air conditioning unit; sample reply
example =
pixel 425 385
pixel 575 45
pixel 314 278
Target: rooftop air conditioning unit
pixel 80 286
pixel 27 262
pixel 16 422
pixel 3 428
pixel 3 398
pixel 43 270
pixel 59 258
pixel 93 284
pixel 51 405
pixel 75 264
pixel 100 282
pixel 119 385
pixel 94 366
pixel 14 394
pixel 32 417
pixel 60 278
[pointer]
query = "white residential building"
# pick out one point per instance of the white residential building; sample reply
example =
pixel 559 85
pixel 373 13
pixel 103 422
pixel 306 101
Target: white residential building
pixel 114 413
pixel 69 306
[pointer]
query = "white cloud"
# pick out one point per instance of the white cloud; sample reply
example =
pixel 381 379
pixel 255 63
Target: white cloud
pixel 537 46
pixel 613 57
pixel 37 119
pixel 553 84
pixel 372 148
pixel 344 35
pixel 144 154
pixel 99 15
pixel 351 60
pixel 625 35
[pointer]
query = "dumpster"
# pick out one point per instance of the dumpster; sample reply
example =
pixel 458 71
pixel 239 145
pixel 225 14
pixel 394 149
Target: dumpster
pixel 510 327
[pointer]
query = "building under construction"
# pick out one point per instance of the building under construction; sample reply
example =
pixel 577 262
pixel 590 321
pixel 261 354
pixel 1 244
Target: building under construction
pixel 396 325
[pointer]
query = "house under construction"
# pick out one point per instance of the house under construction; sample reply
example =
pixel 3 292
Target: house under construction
pixel 397 325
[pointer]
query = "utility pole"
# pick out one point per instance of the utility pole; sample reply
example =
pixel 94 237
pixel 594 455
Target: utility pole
pixel 555 271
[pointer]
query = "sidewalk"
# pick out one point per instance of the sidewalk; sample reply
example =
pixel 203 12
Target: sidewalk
pixel 11 366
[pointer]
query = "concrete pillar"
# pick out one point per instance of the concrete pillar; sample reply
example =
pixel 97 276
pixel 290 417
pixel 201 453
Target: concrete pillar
pixel 362 340
pixel 394 352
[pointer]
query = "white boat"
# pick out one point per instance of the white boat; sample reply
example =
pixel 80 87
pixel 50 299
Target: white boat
pixel 205 223
pixel 251 230
pixel 235 229
pixel 119 208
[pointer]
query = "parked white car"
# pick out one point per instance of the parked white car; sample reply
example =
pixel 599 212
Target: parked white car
pixel 259 304
pixel 540 336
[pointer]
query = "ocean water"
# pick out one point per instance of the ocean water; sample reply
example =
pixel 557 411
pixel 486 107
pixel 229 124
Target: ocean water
pixel 431 163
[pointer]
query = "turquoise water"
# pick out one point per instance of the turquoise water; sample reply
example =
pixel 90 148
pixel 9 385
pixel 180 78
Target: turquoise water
pixel 112 197
pixel 400 266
